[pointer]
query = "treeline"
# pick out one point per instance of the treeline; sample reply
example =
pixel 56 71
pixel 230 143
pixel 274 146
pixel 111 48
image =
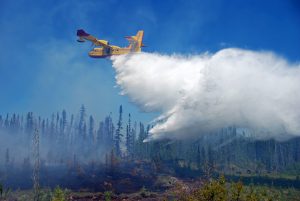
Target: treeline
pixel 62 137
pixel 80 139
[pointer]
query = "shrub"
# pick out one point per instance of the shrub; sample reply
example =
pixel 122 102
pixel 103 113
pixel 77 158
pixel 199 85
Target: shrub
pixel 58 194
pixel 107 195
pixel 219 190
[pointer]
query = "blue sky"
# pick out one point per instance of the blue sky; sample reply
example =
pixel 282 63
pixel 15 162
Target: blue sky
pixel 43 69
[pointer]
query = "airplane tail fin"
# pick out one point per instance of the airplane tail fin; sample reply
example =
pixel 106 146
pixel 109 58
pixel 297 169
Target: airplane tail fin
pixel 139 36
pixel 136 42
pixel 81 35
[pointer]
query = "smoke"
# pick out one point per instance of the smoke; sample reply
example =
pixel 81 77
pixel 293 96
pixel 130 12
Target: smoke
pixel 200 94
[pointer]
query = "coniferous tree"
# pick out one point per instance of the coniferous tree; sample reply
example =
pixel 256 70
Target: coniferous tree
pixel 61 128
pixel 107 132
pixel 29 123
pixel 118 136
pixel 134 137
pixel 140 148
pixel 84 133
pixel 47 127
pixel 57 125
pixel 113 161
pixel 100 133
pixel 52 125
pixel 142 132
pixel 43 126
pixel 64 121
pixel 82 124
pixel 91 128
pixel 6 122
pixel 39 123
pixel 129 139
pixel 13 124
pixel 71 130
pixel 110 130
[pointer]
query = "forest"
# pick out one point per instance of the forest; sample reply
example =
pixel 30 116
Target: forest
pixel 76 152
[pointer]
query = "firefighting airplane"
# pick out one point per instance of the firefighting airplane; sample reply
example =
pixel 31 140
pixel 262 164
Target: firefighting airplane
pixel 104 49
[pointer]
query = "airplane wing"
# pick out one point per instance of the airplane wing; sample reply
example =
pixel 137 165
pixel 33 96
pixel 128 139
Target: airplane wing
pixel 85 36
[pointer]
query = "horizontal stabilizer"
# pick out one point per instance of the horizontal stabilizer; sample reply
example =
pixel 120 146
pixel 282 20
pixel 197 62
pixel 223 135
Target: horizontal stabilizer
pixel 135 42
pixel 130 38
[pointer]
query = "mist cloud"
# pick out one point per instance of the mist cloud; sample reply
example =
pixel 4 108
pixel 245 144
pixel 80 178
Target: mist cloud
pixel 203 93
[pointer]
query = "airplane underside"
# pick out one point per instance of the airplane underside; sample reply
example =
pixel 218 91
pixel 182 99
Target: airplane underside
pixel 107 52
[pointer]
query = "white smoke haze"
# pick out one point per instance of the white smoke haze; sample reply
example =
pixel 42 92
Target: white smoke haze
pixel 200 94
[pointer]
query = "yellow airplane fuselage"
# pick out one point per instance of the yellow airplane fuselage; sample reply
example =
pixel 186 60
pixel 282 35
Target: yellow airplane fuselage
pixel 102 52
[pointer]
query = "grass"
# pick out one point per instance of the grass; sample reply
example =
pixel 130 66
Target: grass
pixel 220 190
pixel 207 190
